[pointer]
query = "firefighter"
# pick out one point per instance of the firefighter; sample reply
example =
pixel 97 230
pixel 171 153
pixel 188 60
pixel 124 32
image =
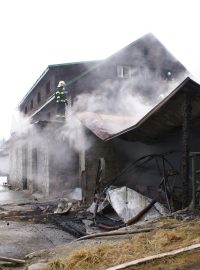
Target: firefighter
pixel 61 99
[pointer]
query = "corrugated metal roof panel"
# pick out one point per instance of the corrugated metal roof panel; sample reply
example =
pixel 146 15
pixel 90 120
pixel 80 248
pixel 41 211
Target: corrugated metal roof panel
pixel 104 125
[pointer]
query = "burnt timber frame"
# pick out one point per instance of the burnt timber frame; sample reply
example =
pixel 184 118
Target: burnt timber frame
pixel 194 156
pixel 187 113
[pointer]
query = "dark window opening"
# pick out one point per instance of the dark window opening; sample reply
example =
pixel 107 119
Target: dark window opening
pixel 48 88
pixel 48 115
pixel 145 51
pixel 25 110
pixel 31 104
pixel 167 75
pixel 124 72
pixel 38 97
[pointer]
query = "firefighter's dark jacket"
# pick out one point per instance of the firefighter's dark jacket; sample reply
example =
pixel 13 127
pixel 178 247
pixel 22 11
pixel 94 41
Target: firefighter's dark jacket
pixel 60 95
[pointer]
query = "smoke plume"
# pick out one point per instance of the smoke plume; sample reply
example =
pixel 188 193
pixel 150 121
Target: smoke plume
pixel 139 77
pixel 20 124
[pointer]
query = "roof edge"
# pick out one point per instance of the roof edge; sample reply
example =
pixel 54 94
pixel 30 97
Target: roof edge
pixel 47 69
pixel 51 98
pixel 73 63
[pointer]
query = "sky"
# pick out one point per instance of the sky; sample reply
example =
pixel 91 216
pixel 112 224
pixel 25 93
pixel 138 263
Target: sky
pixel 38 33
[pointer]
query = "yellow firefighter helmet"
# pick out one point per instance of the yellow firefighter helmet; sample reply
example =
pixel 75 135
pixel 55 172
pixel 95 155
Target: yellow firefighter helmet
pixel 61 83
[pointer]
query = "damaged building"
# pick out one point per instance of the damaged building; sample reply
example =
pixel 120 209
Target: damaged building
pixel 129 122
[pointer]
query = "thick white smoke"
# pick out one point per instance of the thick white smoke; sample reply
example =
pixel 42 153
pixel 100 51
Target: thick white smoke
pixel 20 124
pixel 149 74
pixel 130 99
pixel 74 132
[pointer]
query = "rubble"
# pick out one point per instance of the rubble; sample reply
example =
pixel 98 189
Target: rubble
pixel 114 211
pixel 63 207
pixel 128 205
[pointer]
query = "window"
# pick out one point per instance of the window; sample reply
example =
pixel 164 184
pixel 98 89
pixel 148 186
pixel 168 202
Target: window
pixel 31 104
pixel 48 88
pixel 25 110
pixel 169 76
pixel 38 97
pixel 124 72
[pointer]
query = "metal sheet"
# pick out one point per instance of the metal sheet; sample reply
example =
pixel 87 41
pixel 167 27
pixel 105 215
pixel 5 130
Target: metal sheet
pixel 127 203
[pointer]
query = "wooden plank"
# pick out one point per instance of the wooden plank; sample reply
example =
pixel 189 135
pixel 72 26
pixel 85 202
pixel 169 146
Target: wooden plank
pixel 157 256
pixel 5 259
pixel 90 236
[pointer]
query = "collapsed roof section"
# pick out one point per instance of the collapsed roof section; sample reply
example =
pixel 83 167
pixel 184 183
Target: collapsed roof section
pixel 104 125
pixel 163 118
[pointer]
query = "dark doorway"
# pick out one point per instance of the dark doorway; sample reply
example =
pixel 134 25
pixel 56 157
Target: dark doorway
pixel 24 167
pixel 35 169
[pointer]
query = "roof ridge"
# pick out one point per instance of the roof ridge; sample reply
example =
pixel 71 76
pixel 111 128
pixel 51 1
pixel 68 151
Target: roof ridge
pixel 73 63
pixel 54 66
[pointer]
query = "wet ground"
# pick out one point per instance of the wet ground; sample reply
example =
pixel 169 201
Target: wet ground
pixel 11 196
pixel 20 239
pixel 17 238
pixel 28 224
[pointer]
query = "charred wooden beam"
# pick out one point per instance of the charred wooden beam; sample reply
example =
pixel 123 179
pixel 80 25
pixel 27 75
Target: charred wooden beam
pixel 194 172
pixel 141 213
pixel 193 182
pixel 187 112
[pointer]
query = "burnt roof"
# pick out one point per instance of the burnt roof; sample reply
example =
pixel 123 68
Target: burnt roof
pixel 162 119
